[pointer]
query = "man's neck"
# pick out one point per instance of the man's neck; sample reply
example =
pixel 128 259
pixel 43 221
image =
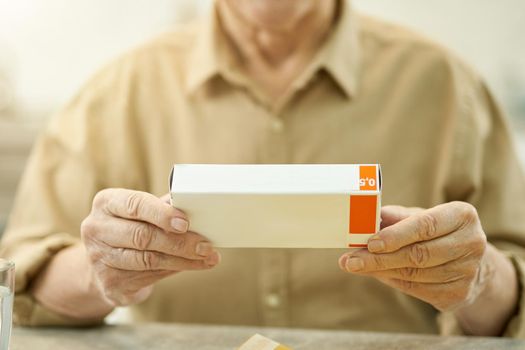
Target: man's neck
pixel 274 50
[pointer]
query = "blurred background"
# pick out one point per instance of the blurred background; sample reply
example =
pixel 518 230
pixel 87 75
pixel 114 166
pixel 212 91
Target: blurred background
pixel 48 48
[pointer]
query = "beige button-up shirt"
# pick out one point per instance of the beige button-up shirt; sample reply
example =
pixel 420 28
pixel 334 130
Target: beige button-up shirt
pixel 374 93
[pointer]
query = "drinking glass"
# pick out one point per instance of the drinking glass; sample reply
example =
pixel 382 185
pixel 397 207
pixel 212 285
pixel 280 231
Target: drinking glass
pixel 7 290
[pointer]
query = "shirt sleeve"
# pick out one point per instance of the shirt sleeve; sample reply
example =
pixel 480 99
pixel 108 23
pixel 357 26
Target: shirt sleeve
pixel 62 176
pixel 487 173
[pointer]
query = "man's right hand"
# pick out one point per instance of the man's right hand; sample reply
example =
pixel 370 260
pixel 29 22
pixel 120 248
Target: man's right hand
pixel 133 239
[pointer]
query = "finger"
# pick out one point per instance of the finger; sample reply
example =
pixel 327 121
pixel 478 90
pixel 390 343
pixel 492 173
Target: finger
pixel 443 296
pixel 446 273
pixel 120 299
pixel 127 282
pixel 122 233
pixel 417 255
pixel 145 260
pixel 141 206
pixel 166 198
pixel 123 287
pixel 423 226
pixel 391 214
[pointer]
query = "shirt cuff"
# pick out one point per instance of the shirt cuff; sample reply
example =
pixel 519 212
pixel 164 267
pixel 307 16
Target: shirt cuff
pixel 30 259
pixel 28 312
pixel 515 328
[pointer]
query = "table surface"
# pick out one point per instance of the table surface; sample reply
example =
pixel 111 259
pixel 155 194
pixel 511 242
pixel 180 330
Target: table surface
pixel 184 337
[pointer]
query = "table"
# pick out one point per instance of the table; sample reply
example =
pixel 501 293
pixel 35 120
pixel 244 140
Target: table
pixel 187 337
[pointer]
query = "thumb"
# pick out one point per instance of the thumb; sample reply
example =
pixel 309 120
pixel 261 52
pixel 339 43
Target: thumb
pixel 166 198
pixel 391 214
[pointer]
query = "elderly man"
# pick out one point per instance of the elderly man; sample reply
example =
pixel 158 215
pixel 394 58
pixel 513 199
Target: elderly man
pixel 269 81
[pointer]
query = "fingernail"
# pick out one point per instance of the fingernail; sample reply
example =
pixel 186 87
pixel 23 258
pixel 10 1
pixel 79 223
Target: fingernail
pixel 179 225
pixel 213 259
pixel 354 264
pixel 376 245
pixel 342 262
pixel 204 249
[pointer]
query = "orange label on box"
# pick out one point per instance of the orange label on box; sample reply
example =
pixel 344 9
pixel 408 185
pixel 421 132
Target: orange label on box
pixel 368 178
pixel 363 214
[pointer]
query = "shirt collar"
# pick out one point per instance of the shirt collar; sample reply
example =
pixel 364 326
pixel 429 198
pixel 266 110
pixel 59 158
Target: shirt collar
pixel 339 55
pixel 207 57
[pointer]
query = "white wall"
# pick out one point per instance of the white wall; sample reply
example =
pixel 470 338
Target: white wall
pixel 49 47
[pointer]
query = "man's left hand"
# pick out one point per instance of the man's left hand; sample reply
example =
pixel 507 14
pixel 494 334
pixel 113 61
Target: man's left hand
pixel 436 255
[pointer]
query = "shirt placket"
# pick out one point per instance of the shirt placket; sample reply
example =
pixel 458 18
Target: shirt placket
pixel 273 263
pixel 275 148
pixel 273 286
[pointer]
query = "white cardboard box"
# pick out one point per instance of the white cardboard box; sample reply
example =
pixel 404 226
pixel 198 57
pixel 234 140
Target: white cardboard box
pixel 280 206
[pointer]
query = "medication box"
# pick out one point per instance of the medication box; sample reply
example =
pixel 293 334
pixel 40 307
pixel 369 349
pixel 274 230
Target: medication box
pixel 280 205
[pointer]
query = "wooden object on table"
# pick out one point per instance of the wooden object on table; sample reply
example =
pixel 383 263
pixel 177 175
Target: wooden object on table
pixel 259 342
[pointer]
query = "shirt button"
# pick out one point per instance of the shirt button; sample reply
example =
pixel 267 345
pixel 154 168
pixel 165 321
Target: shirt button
pixel 277 125
pixel 273 300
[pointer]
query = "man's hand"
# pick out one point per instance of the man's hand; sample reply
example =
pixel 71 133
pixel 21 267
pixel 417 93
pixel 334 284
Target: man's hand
pixel 134 239
pixel 441 256
pixel 435 255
